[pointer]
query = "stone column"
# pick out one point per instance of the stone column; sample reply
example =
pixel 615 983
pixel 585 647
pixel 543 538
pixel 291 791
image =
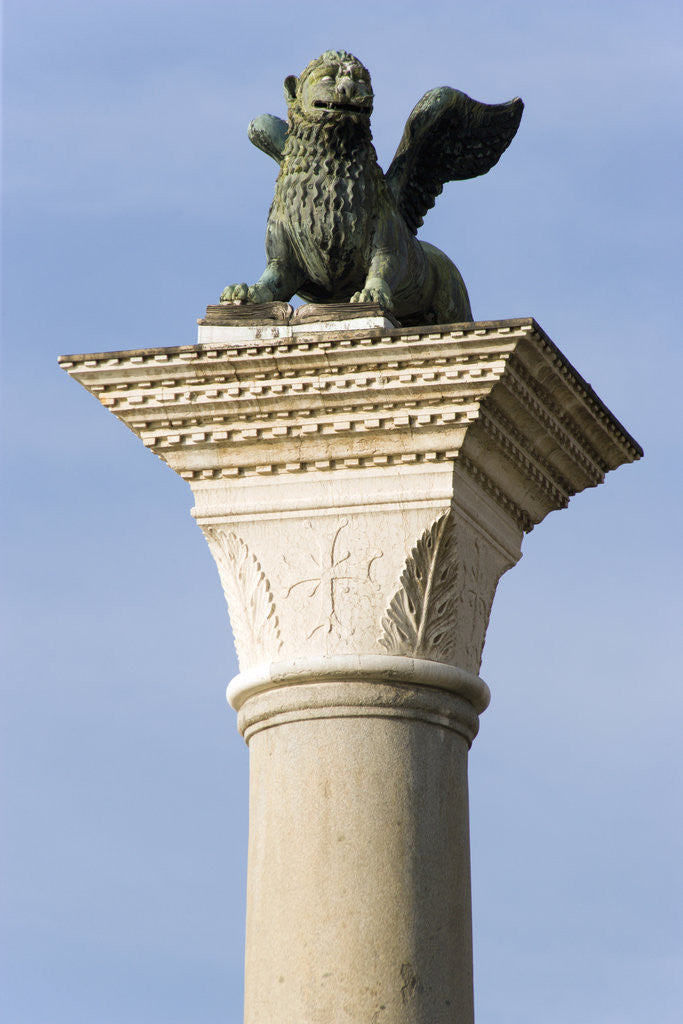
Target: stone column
pixel 362 492
pixel 359 874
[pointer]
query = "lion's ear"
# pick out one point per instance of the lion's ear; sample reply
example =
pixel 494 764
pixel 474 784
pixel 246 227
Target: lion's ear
pixel 290 84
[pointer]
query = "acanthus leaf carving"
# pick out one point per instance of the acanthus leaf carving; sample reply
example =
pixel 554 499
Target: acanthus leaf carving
pixel 249 597
pixel 420 617
pixel 476 600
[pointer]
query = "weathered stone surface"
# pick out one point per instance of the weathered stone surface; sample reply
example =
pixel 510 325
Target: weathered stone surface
pixel 359 878
pixel 362 491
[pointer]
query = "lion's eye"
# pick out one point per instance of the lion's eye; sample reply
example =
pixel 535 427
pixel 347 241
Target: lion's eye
pixel 327 78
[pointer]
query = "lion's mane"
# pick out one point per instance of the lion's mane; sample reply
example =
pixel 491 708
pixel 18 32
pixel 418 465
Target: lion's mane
pixel 327 186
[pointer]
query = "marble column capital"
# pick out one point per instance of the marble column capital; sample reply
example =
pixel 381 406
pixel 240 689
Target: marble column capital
pixel 363 490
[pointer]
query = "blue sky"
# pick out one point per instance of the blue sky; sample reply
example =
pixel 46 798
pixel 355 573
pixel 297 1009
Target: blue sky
pixel 131 197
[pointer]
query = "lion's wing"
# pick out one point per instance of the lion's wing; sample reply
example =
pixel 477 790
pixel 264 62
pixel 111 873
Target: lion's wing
pixel 448 137
pixel 269 133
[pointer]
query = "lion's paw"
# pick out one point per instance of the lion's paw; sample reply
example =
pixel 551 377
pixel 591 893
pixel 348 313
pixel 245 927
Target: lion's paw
pixel 255 293
pixel 235 293
pixel 377 294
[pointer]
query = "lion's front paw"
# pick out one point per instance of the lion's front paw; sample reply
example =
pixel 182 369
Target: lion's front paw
pixel 245 293
pixel 376 293
pixel 235 293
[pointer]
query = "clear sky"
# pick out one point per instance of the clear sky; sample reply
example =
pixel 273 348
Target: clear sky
pixel 132 196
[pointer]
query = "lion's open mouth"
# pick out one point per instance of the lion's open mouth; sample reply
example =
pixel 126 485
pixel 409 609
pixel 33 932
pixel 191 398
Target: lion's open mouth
pixel 350 108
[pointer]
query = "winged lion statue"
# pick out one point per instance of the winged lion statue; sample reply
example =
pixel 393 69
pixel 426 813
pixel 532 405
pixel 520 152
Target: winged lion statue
pixel 339 229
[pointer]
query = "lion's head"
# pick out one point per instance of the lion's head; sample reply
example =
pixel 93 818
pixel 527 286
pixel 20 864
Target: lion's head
pixel 333 88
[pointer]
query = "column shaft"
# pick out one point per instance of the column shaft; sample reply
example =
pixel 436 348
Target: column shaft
pixel 359 875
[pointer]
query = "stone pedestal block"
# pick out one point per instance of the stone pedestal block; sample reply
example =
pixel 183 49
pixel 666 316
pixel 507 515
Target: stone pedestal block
pixel 362 492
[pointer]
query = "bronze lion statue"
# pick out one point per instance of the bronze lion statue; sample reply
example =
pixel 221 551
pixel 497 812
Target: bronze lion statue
pixel 339 229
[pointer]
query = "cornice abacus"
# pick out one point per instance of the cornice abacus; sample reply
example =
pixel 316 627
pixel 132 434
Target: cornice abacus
pixel 536 398
pixel 358 399
pixel 516 448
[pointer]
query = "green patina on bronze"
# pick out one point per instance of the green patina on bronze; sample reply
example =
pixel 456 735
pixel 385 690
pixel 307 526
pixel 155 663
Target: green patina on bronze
pixel 339 229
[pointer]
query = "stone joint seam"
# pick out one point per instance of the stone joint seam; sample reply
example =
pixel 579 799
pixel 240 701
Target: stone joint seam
pixel 462 725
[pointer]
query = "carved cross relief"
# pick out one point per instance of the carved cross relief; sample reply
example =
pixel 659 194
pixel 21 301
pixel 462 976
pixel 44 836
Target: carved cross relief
pixel 332 572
